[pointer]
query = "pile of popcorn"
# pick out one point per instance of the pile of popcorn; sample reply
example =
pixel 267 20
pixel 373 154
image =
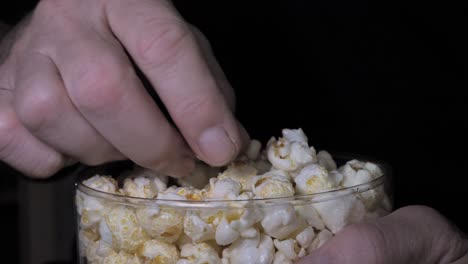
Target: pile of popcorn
pixel 282 232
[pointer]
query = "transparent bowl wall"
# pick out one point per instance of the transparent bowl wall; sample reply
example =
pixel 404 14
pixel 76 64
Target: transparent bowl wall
pixel 326 213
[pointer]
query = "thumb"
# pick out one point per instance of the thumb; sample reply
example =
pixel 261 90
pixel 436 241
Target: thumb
pixel 413 234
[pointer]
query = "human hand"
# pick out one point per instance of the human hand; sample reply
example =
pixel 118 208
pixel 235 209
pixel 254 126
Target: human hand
pixel 68 90
pixel 413 234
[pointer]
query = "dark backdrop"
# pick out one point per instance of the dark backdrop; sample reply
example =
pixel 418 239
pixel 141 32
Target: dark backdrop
pixel 382 80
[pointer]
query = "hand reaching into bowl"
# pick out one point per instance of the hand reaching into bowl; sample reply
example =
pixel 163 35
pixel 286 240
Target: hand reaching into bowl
pixel 68 90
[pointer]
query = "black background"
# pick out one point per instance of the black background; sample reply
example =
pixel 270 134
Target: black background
pixel 382 80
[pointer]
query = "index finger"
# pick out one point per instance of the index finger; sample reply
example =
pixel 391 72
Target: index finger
pixel 165 49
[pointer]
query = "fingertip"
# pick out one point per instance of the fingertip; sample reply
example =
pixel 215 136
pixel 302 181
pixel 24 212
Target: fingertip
pixel 217 146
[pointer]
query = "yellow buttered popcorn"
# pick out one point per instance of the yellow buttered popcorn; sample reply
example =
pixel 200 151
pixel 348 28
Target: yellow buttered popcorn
pixel 158 252
pixel 241 172
pixel 127 233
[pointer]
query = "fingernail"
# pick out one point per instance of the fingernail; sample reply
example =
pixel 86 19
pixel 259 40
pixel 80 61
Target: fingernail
pixel 216 146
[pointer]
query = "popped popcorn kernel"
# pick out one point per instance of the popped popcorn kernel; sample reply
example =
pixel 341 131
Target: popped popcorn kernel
pixel 140 187
pixel 313 179
pixel 273 184
pixel 121 258
pixel 127 234
pixel 199 177
pixel 164 224
pixel 198 253
pixel 241 172
pixel 324 159
pixel 259 250
pixel 291 152
pixel 101 183
pixel 158 252
pixel 322 237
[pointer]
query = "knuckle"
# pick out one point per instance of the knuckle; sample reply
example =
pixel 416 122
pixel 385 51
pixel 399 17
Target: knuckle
pixel 38 107
pixel 99 89
pixel 164 45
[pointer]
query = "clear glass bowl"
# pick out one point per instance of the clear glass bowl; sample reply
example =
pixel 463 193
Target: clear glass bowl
pixel 139 230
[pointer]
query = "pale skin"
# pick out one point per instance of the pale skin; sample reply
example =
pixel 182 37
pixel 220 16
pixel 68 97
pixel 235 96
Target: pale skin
pixel 68 93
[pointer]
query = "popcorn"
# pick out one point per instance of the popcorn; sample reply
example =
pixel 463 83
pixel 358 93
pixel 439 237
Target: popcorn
pixel 308 213
pixel 280 258
pixel 319 240
pixel 127 234
pixel 121 258
pixel 140 187
pixel 197 229
pixel 241 172
pixel 155 251
pixel 242 220
pixel 259 250
pixel 105 184
pixel 272 184
pixel 290 249
pixel 164 224
pixel 199 253
pixel 224 189
pixel 338 213
pixel 92 209
pixel 253 149
pixel 280 221
pixel 305 237
pixel 290 152
pixel 324 159
pixel 199 177
pixel 313 179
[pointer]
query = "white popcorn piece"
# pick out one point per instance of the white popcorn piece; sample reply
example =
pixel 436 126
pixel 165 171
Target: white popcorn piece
pixel 105 184
pixel 322 237
pixel 259 250
pixel 155 251
pixel 280 258
pixel 104 249
pixel 253 149
pixel 164 224
pixel 340 212
pixel 159 180
pixel 336 178
pixel 306 237
pixel 280 221
pixel 291 152
pixel 325 160
pixel 288 247
pixel 140 187
pixel 240 171
pixel 224 189
pixel 197 229
pixel 225 234
pixel 92 209
pixel 199 177
pixel 127 234
pixel 356 172
pixel 88 244
pixel 181 193
pixel 121 258
pixel 273 184
pixel 313 179
pixel 310 215
pixel 199 253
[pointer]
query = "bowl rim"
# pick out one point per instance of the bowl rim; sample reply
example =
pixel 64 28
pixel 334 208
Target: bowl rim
pixel 263 202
